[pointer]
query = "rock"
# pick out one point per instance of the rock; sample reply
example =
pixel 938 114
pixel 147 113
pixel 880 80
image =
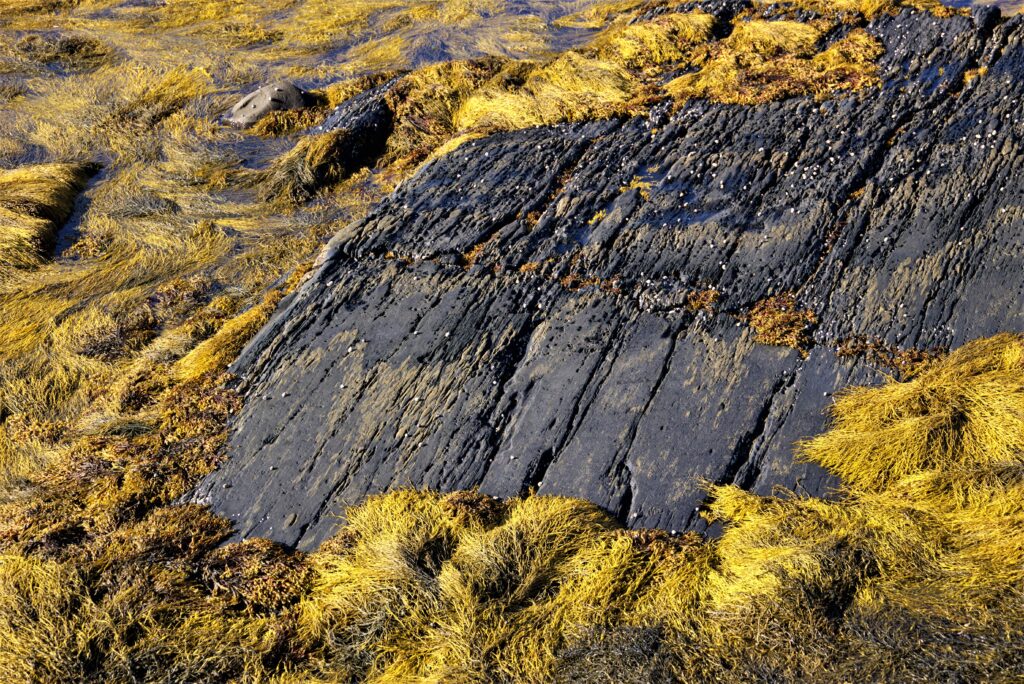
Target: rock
pixel 366 115
pixel 566 343
pixel 278 96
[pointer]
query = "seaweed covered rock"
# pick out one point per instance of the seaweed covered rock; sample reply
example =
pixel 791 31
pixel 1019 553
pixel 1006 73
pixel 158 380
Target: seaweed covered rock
pixel 519 315
pixel 352 137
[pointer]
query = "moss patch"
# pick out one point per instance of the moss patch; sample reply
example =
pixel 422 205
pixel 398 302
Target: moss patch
pixel 703 300
pixel 964 412
pixel 780 321
pixel 905 363
pixel 763 61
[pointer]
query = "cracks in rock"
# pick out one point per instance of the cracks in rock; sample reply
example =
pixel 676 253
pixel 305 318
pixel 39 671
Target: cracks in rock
pixel 508 361
pixel 263 351
pixel 320 511
pixel 626 504
pixel 540 468
pixel 374 374
pixel 940 107
pixel 624 470
pixel 563 175
pixel 877 159
pixel 939 283
pixel 848 244
pixel 588 394
pixel 528 213
pixel 986 31
pixel 742 471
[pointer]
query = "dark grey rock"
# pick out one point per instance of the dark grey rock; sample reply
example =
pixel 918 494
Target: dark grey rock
pixel 282 95
pixel 365 114
pixel 892 212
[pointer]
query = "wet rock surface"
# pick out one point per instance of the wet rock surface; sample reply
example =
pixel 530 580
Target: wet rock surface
pixel 514 316
pixel 366 115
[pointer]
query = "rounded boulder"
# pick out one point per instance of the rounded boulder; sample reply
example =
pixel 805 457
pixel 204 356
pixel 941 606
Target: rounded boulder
pixel 277 96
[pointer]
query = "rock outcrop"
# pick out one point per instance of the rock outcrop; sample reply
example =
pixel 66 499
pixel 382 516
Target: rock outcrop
pixel 519 315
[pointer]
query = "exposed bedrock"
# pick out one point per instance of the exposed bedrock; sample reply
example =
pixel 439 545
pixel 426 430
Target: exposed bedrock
pixel 515 315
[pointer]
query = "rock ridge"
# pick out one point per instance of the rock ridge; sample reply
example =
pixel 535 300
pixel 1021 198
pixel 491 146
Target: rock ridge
pixel 515 316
